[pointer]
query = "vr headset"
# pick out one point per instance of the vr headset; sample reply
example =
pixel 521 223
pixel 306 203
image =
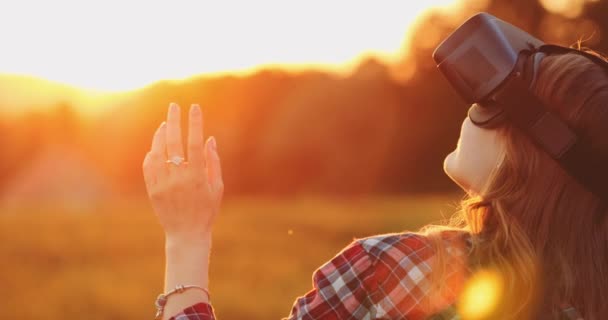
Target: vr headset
pixel 493 65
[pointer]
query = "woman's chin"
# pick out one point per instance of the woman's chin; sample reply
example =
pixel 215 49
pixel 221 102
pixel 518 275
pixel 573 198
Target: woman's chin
pixel 448 164
pixel 451 170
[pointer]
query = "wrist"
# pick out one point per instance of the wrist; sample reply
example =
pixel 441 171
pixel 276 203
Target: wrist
pixel 187 261
pixel 185 241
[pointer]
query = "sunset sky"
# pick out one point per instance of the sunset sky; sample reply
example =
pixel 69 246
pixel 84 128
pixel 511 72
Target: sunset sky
pixel 121 45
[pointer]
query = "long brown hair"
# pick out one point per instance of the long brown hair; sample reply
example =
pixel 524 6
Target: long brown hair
pixel 545 233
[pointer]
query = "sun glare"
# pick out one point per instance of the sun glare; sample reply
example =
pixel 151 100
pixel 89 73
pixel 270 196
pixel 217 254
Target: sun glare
pixel 481 295
pixel 121 45
pixel 567 8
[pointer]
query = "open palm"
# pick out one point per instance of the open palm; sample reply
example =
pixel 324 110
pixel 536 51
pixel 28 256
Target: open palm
pixel 185 196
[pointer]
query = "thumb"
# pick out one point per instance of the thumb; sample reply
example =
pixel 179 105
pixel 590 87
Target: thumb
pixel 214 168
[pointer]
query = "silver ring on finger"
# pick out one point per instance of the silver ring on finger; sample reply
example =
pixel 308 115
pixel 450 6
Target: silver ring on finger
pixel 176 160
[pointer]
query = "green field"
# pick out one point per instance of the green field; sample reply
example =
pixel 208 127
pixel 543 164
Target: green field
pixel 107 263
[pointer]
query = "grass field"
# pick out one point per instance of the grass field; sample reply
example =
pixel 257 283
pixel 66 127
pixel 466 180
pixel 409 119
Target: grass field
pixel 108 264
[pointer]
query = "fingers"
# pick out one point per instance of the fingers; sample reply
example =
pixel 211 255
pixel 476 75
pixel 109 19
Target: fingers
pixel 214 168
pixel 154 163
pixel 196 153
pixel 174 132
pixel 159 142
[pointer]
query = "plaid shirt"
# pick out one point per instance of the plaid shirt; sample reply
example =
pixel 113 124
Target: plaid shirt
pixel 381 277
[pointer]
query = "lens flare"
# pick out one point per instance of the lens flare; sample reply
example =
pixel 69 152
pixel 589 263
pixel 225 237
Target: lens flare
pixel 567 8
pixel 481 295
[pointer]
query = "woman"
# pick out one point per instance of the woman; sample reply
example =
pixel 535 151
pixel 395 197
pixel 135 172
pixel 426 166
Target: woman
pixel 524 218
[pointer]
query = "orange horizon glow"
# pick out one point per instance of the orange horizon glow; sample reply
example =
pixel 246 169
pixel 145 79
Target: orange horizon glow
pixel 120 46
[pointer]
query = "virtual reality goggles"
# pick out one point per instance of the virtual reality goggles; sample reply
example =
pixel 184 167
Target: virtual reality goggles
pixel 493 65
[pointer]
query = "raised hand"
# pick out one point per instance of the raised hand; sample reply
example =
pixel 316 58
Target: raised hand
pixel 185 195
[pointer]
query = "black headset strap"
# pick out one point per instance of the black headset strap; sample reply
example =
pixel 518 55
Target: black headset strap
pixel 551 49
pixel 548 131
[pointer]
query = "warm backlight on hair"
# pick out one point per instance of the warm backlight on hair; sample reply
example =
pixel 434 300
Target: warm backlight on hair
pixel 481 295
pixel 120 45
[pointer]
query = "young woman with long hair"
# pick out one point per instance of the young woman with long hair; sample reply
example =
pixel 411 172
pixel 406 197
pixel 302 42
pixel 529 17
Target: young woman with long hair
pixel 524 218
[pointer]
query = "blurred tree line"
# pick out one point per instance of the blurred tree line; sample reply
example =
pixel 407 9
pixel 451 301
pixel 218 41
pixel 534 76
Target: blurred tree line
pixel 312 132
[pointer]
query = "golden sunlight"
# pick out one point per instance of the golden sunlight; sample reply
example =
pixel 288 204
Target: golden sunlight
pixel 481 295
pixel 121 45
pixel 567 8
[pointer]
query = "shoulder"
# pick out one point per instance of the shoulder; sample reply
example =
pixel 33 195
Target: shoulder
pixel 411 245
pixel 368 261
pixel 406 249
pixel 387 260
pixel 395 245
pixel 385 275
pixel 407 268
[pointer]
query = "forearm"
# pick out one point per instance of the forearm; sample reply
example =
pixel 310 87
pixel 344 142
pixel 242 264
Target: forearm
pixel 186 197
pixel 187 263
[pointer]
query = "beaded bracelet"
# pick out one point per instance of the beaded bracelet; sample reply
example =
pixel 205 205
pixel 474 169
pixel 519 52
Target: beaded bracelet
pixel 161 301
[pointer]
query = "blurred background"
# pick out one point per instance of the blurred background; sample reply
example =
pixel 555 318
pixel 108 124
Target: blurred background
pixel 331 119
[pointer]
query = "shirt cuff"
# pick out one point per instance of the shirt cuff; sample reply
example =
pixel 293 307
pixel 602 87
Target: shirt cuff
pixel 199 311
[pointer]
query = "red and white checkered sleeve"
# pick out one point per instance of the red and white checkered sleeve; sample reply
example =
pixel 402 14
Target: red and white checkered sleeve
pixel 199 311
pixel 403 267
pixel 381 277
pixel 341 288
